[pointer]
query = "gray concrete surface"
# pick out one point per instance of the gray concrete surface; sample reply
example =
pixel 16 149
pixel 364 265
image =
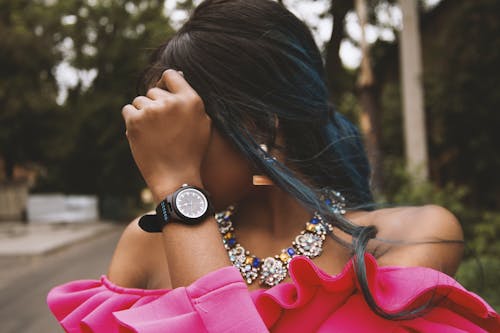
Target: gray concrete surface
pixel 25 280
pixel 20 239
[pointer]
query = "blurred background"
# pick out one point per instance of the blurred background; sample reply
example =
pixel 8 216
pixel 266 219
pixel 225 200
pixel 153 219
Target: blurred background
pixel 420 78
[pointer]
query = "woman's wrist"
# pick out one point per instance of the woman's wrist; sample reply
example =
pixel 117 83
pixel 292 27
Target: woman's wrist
pixel 168 185
pixel 192 250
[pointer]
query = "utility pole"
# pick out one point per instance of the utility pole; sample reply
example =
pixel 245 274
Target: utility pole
pixel 412 92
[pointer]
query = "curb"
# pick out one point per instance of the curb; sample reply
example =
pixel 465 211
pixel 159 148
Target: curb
pixel 44 239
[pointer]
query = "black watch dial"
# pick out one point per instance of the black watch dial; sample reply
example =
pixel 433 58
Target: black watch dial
pixel 191 203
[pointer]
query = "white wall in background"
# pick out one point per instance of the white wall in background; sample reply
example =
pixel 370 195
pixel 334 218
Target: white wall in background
pixel 52 208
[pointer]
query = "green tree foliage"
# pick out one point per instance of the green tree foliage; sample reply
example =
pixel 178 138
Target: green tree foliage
pixel 461 50
pixel 29 115
pixel 461 54
pixel 463 99
pixel 114 38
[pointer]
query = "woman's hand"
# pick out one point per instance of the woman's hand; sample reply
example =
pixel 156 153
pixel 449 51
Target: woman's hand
pixel 168 133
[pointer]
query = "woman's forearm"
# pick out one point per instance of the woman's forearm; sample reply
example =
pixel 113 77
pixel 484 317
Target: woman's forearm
pixel 168 156
pixel 193 251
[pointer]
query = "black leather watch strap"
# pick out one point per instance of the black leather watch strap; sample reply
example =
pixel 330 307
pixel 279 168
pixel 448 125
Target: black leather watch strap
pixel 151 223
pixel 156 223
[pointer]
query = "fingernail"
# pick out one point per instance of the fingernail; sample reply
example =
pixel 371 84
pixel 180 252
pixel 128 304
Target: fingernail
pixel 181 73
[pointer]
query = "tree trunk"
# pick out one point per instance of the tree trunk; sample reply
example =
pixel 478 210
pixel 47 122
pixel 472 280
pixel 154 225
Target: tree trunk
pixel 8 167
pixel 336 76
pixel 370 107
pixel 412 92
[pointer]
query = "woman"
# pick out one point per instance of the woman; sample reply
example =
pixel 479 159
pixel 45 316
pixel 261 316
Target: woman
pixel 246 123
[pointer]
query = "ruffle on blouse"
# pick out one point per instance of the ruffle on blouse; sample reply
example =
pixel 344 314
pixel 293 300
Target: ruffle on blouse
pixel 329 303
pixel 314 302
pixel 101 306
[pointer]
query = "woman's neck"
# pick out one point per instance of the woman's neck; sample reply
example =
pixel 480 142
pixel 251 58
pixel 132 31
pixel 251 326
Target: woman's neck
pixel 270 210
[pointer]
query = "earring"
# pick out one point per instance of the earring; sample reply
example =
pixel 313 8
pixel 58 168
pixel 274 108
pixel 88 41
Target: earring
pixel 260 180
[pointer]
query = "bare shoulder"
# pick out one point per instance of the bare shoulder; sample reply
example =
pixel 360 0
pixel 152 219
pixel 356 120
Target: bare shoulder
pixel 139 260
pixel 427 236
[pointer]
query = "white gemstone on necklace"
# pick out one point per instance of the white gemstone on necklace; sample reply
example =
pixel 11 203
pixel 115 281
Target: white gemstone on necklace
pixel 272 272
pixel 309 244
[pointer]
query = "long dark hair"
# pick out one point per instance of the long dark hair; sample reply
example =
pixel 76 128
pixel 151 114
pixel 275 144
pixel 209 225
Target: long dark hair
pixel 252 62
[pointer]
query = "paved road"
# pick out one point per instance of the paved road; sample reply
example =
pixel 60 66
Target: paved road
pixel 25 282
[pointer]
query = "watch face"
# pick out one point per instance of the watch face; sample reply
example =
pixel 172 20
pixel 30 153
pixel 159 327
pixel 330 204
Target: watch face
pixel 191 203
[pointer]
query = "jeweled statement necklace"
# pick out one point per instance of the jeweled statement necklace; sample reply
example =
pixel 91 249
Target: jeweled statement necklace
pixel 272 270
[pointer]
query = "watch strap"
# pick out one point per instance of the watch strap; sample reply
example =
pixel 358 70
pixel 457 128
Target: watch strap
pixel 151 223
pixel 165 211
pixel 156 223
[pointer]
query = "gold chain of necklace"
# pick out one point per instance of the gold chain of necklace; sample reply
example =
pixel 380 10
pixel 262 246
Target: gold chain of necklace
pixel 272 270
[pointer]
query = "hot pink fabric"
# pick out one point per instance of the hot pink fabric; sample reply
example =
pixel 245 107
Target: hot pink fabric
pixel 314 302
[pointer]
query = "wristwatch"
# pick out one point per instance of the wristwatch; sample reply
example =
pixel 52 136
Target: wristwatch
pixel 188 204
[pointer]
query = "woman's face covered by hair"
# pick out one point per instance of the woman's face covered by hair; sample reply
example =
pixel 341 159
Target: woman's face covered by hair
pixel 253 62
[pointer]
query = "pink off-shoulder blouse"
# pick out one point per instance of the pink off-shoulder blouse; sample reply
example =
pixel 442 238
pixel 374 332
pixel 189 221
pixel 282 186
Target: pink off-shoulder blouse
pixel 313 302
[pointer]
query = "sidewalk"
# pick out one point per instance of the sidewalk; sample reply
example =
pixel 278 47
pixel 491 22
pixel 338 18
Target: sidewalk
pixel 21 239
